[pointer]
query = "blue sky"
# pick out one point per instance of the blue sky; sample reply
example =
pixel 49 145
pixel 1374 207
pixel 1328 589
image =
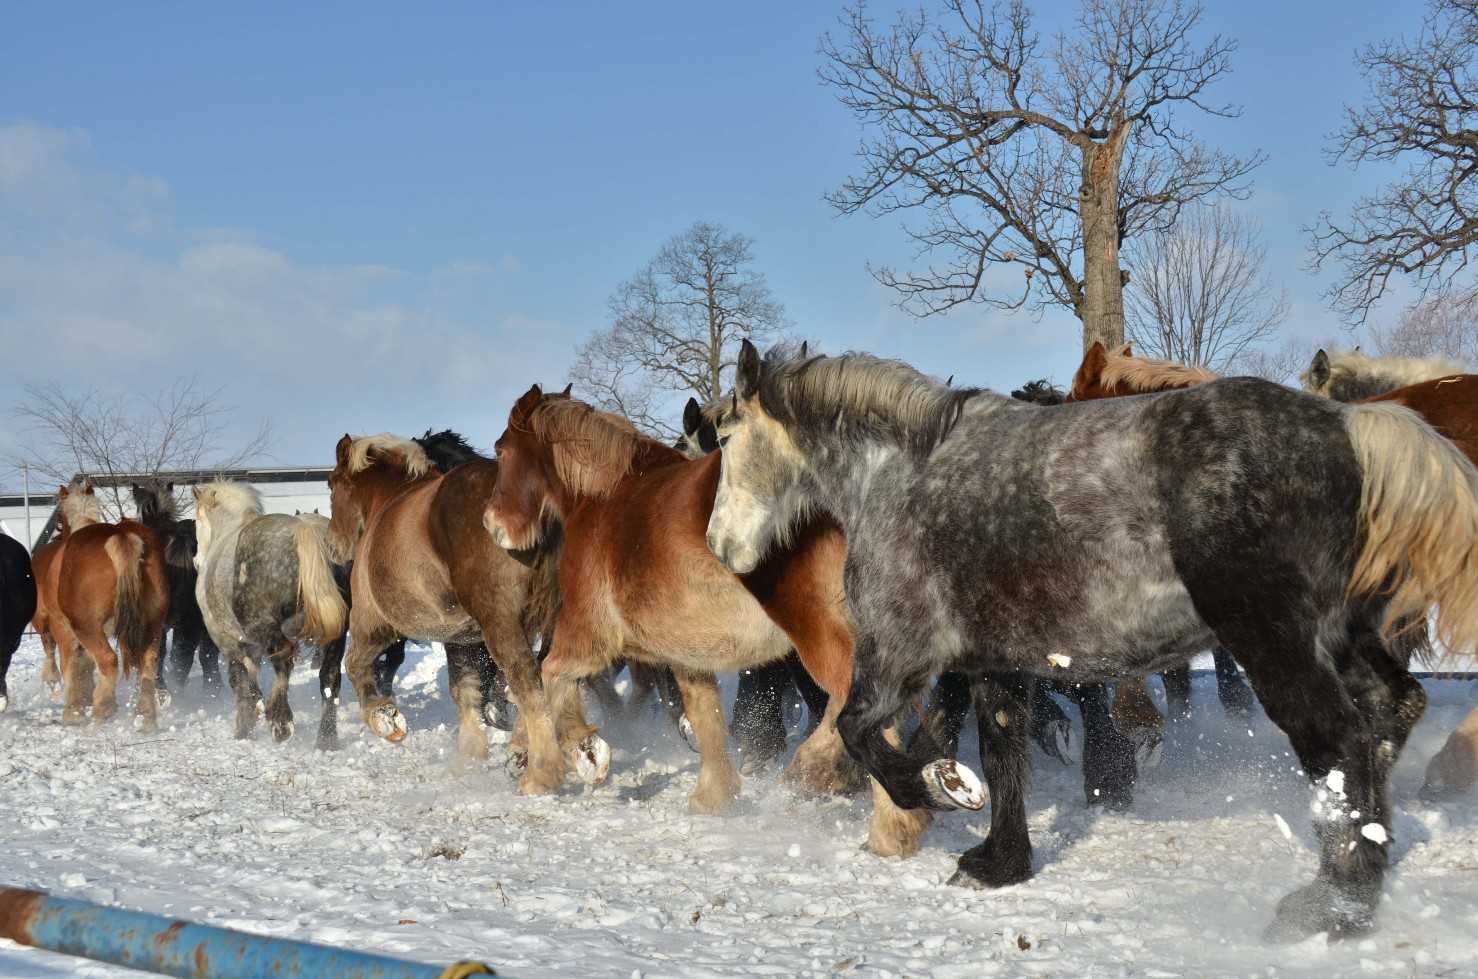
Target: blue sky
pixel 359 217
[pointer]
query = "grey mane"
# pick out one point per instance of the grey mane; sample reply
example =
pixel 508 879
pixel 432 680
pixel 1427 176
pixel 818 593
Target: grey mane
pixel 861 397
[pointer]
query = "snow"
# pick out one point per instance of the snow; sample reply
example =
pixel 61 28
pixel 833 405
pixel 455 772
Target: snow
pixel 395 848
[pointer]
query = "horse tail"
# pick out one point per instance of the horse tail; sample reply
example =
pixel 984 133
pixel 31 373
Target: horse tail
pixel 130 626
pixel 324 612
pixel 1419 515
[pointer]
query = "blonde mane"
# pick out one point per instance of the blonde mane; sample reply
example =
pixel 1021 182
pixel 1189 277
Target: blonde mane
pixel 80 507
pixel 391 450
pixel 1358 374
pixel 593 450
pixel 1146 374
pixel 220 506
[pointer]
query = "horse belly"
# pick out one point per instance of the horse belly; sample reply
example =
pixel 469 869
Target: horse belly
pixel 720 632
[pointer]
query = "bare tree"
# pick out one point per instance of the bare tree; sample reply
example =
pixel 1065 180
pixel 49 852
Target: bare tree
pixel 1042 156
pixel 120 435
pixel 676 327
pixel 1436 327
pixel 1423 113
pixel 1281 364
pixel 1199 293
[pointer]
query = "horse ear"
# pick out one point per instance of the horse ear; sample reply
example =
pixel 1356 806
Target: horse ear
pixel 528 402
pixel 1095 360
pixel 568 388
pixel 747 376
pixel 341 451
pixel 1126 351
pixel 692 417
pixel 805 348
pixel 949 382
pixel 1319 369
pixel 195 492
pixel 62 492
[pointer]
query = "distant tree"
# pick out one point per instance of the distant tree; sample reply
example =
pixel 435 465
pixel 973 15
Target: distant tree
pixel 1043 156
pixel 1281 364
pixel 64 434
pixel 1437 327
pixel 1422 113
pixel 1199 292
pixel 676 327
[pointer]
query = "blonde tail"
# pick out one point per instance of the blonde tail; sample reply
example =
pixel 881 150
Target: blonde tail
pixel 324 612
pixel 1419 514
pixel 130 629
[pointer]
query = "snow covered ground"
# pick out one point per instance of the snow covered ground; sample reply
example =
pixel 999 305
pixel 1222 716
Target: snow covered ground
pixel 390 848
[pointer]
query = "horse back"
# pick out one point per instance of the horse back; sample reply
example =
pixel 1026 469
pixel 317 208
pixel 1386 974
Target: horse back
pixel 1449 404
pixel 17 588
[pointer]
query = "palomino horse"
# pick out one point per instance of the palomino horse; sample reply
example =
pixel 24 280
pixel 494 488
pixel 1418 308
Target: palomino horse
pixel 111 583
pixel 636 581
pixel 425 569
pixel 158 510
pixel 1112 538
pixel 1448 402
pixel 266 584
pixel 17 604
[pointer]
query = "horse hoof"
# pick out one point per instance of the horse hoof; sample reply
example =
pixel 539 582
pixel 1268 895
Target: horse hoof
pixel 1061 739
pixel 389 723
pixel 163 697
pixel 1149 746
pixel 516 763
pixel 592 759
pixel 54 691
pixel 144 724
pixel 953 786
pixel 73 716
pixel 327 742
pixel 261 710
pixel 498 715
pixel 1319 908
pixel 685 728
pixel 282 731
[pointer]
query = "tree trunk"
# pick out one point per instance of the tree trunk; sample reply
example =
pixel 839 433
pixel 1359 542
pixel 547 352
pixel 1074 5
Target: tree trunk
pixel 1102 308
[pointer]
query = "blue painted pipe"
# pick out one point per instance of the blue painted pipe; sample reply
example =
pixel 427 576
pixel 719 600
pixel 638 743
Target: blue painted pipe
pixel 171 947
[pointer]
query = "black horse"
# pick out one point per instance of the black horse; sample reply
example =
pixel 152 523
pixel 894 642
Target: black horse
pixel 17 604
pixel 185 626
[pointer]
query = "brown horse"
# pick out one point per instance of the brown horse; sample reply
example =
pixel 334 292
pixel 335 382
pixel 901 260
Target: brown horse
pixel 110 583
pixel 46 565
pixel 637 580
pixel 1449 403
pixel 424 568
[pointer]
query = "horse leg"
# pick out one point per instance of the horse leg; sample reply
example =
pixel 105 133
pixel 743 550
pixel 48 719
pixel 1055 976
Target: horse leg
pixel 1454 769
pixel 910 780
pixel 242 671
pixel 1051 728
pixel 758 726
pixel 1110 766
pixel 50 675
pixel 1177 683
pixel 718 782
pixel 1233 692
pixel 811 692
pixel 330 680
pixel 945 718
pixel 1002 714
pixel 387 664
pixel 1137 718
pixel 463 677
pixel 538 704
pixel 894 831
pixel 376 707
pixel 76 674
pixel 279 709
pixel 151 697
pixel 497 710
pixel 105 695
pixel 210 662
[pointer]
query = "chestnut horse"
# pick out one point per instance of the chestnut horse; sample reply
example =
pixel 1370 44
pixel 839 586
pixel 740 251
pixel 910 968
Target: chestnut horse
pixel 111 584
pixel 637 580
pixel 425 569
pixel 1448 402
pixel 46 565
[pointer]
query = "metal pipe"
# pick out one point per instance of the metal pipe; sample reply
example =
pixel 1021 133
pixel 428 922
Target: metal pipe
pixel 179 948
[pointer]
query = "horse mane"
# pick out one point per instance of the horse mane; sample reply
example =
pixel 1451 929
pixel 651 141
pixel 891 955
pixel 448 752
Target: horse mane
pixel 155 502
pixel 859 395
pixel 1354 375
pixel 1145 374
pixel 1040 392
pixel 228 496
pixel 80 508
pixel 447 449
pixel 390 449
pixel 593 450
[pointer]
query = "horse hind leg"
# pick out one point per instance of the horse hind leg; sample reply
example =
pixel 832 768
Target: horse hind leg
pixel 50 674
pixel 105 694
pixel 758 725
pixel 279 708
pixel 330 681
pixel 242 671
pixel 464 679
pixel 1177 683
pixel 1003 716
pixel 1110 760
pixel 1454 770
pixel 1233 692
pixel 151 696
pixel 1137 718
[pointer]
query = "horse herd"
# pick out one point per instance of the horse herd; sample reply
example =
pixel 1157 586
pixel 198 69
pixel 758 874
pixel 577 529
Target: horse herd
pixel 849 525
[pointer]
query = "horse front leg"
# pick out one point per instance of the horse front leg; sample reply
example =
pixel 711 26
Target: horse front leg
pixel 758 724
pixel 1231 689
pixel 718 781
pixel 1110 760
pixel 464 678
pixel 241 669
pixel 50 674
pixel 910 781
pixel 1002 713
pixel 330 680
pixel 378 708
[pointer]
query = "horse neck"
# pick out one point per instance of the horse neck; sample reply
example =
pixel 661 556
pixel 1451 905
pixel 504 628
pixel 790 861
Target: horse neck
pixel 379 484
pixel 649 455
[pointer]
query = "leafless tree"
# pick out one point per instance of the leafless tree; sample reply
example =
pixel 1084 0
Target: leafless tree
pixel 1022 154
pixel 1436 327
pixel 676 326
pixel 119 435
pixel 1199 293
pixel 1422 113
pixel 1281 364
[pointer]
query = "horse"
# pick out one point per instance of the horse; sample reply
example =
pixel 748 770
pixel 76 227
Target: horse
pixel 17 604
pixel 265 584
pixel 110 583
pixel 1448 402
pixel 1111 538
pixel 637 582
pixel 423 568
pixel 46 567
pixel 158 510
